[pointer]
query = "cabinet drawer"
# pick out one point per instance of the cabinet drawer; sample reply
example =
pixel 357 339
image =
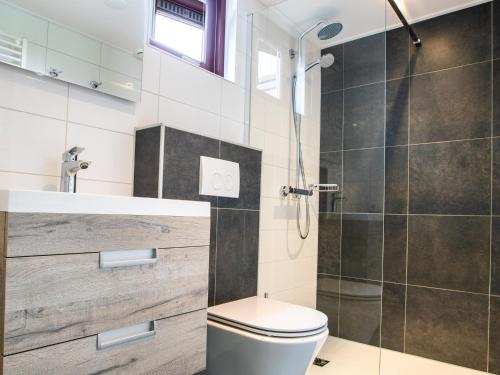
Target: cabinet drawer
pixel 178 347
pixel 52 299
pixel 44 234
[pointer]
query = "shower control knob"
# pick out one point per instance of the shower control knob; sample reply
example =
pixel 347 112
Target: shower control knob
pixel 284 191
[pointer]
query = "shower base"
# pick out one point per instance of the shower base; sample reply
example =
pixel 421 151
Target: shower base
pixel 351 358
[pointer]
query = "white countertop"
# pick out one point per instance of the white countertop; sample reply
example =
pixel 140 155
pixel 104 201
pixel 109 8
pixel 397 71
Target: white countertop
pixel 68 203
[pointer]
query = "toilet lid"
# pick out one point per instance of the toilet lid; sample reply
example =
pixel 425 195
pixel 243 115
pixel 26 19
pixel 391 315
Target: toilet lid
pixel 269 317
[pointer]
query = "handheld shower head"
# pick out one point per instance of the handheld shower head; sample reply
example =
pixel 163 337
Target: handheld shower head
pixel 325 61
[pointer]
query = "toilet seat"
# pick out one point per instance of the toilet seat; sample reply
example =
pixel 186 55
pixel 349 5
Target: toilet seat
pixel 270 318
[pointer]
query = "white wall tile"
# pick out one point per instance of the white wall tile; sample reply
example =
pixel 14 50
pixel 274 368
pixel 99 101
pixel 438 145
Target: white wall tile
pixel 188 84
pixel 232 131
pixel 233 101
pixel 100 110
pixel 147 110
pixel 28 92
pixel 111 153
pixel 151 70
pixel 22 181
pixel 240 77
pixel 189 118
pixel 30 143
pixel 100 187
pixel 305 296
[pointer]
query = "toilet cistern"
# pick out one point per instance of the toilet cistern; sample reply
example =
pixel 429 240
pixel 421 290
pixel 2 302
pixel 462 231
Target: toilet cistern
pixel 70 167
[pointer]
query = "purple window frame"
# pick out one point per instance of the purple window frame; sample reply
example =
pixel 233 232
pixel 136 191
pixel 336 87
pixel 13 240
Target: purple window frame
pixel 215 33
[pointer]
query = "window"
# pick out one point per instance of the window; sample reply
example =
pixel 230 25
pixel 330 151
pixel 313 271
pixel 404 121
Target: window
pixel 268 70
pixel 192 29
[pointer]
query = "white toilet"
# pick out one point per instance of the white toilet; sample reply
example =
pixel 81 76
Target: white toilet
pixel 259 336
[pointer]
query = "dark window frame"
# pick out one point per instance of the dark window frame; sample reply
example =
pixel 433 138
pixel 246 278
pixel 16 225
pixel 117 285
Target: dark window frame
pixel 214 33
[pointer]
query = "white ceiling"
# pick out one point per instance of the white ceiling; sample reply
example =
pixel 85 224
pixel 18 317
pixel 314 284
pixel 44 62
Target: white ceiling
pixel 361 17
pixel 122 28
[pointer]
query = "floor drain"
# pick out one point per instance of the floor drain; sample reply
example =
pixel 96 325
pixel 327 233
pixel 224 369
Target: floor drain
pixel 320 362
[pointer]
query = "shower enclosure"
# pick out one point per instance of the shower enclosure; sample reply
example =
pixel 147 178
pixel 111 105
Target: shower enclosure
pixel 399 258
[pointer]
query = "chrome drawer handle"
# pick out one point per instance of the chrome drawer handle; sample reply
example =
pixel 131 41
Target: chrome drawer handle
pixel 127 258
pixel 125 335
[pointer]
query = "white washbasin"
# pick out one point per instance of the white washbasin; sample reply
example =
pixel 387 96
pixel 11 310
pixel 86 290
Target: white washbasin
pixel 69 203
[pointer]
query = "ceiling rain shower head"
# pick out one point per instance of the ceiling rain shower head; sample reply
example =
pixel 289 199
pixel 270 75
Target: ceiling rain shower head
pixel 330 31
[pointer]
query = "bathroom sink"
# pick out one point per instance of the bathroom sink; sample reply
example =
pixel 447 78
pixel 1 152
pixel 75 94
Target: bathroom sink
pixel 55 202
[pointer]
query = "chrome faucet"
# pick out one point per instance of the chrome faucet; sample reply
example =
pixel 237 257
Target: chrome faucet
pixel 70 167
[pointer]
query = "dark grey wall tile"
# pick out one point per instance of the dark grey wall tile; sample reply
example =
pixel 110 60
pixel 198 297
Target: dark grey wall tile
pixel 147 162
pixel 451 104
pixel 364 116
pixel 328 301
pixel 398 95
pixel 496 97
pixel 234 234
pixel 364 61
pixel 359 314
pixel 447 326
pixel 362 240
pixel 495 256
pixel 213 257
pixel 363 189
pixel 496 29
pixel 398 53
pixel 330 172
pixel 455 39
pixel 237 255
pixel 393 316
pixel 395 248
pixel 449 252
pixel 250 176
pixel 396 179
pixel 332 107
pixel 450 178
pixel 494 361
pixel 496 176
pixel 181 164
pixel 332 78
pixel 329 243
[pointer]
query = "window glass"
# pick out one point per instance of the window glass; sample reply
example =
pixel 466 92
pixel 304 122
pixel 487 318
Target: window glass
pixel 192 29
pixel 268 70
pixel 180 36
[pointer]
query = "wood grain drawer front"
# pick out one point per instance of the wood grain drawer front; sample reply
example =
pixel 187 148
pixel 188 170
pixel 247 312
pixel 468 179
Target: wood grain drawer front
pixel 31 234
pixel 178 348
pixel 57 298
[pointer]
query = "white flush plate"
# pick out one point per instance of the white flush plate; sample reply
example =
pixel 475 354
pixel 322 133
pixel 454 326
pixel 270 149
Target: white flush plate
pixel 220 178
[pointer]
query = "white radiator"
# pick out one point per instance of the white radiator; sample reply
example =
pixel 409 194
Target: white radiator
pixel 13 50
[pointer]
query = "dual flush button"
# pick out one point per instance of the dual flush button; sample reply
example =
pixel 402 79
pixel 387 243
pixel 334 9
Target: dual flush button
pixel 220 178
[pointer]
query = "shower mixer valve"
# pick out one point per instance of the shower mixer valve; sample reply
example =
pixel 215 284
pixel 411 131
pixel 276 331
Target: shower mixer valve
pixel 320 188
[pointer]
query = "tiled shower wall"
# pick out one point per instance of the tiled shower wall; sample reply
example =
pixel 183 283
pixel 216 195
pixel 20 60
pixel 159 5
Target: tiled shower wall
pixel 409 252
pixel 234 237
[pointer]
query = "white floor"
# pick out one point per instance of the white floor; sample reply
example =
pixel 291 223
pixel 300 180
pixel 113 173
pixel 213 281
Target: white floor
pixel 351 358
